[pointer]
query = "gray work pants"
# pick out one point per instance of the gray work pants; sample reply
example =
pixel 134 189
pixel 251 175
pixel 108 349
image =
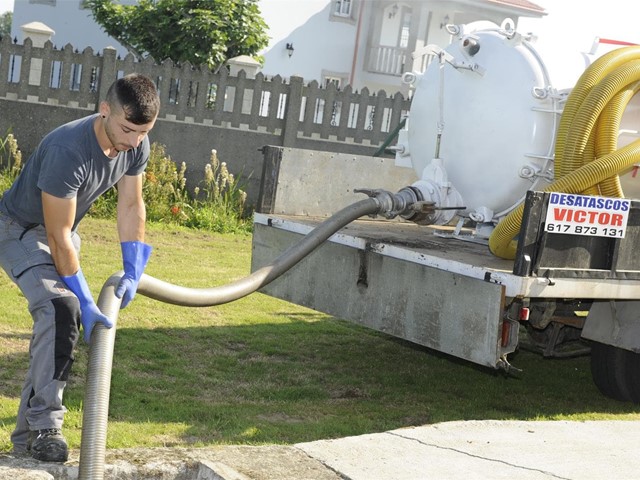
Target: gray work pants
pixel 26 258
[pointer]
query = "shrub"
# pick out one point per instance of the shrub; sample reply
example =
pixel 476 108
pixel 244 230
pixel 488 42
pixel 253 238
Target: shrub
pixel 10 161
pixel 220 203
pixel 217 204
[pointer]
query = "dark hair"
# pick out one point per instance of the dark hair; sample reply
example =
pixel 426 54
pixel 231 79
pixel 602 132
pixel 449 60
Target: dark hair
pixel 137 95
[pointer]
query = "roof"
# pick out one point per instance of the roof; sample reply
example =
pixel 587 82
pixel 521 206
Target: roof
pixel 523 4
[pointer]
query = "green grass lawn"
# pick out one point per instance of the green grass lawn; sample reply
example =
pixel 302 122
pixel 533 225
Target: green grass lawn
pixel 261 370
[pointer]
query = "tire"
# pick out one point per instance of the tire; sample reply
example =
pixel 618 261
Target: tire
pixel 633 375
pixel 616 372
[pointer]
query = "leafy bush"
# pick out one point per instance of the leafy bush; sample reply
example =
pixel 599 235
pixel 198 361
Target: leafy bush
pixel 10 161
pixel 216 205
pixel 219 205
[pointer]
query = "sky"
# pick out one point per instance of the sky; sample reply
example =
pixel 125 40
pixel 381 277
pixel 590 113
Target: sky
pixel 6 5
pixel 574 25
pixel 569 23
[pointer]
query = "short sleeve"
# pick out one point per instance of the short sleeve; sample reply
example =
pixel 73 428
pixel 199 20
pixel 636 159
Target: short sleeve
pixel 141 159
pixel 61 173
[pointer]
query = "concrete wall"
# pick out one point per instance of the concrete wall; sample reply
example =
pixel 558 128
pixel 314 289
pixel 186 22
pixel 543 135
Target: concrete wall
pixel 189 143
pixel 184 142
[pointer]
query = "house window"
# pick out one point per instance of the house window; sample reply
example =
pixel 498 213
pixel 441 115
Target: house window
pixel 328 80
pixel 342 8
pixel 44 2
pixel 403 41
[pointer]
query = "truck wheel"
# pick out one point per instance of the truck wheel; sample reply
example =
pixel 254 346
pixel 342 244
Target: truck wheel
pixel 616 372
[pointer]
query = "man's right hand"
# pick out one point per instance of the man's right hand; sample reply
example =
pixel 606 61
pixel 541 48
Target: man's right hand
pixel 90 313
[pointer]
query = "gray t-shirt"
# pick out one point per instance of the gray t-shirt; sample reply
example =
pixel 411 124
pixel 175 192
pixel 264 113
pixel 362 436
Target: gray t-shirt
pixel 69 163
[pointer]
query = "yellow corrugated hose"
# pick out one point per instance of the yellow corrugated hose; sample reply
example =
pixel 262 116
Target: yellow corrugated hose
pixel 586 159
pixel 608 127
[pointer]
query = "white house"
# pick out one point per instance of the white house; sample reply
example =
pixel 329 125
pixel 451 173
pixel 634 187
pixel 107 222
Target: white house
pixel 70 21
pixel 363 43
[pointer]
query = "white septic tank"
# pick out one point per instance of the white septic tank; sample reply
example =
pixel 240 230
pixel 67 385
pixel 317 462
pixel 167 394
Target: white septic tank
pixel 484 114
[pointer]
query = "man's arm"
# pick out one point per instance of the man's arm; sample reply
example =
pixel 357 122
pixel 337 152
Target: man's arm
pixel 59 215
pixel 131 209
pixel 135 253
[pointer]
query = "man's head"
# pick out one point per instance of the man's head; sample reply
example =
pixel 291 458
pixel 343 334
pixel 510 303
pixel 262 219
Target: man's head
pixel 137 96
pixel 129 112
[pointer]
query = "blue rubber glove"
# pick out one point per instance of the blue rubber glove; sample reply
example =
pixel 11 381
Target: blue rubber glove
pixel 135 256
pixel 89 312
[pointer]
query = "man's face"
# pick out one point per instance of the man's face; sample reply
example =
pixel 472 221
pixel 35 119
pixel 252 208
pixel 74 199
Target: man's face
pixel 123 134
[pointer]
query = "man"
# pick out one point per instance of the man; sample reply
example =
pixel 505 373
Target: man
pixel 39 245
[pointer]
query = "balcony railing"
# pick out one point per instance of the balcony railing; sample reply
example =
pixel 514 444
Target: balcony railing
pixel 387 60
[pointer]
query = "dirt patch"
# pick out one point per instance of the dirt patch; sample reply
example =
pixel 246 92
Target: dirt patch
pixel 273 462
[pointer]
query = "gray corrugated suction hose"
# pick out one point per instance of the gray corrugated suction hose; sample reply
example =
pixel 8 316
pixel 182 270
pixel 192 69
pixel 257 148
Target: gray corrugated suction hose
pixel 202 297
pixel 96 403
pixel 96 397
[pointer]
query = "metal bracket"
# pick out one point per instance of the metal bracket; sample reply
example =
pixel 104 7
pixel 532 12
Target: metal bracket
pixel 445 56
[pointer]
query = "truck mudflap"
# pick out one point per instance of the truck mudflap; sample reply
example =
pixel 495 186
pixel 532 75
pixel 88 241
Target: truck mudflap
pixel 614 322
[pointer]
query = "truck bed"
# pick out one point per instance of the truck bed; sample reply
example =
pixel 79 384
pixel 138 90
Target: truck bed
pixel 425 245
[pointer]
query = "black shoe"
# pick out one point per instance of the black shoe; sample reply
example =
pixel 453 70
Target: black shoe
pixel 49 446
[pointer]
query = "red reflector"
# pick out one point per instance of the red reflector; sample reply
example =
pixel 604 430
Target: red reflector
pixel 506 331
pixel 524 314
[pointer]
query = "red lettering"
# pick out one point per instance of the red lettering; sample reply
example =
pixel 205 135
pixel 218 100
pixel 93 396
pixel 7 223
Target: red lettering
pixel 587 216
pixel 616 220
pixel 559 214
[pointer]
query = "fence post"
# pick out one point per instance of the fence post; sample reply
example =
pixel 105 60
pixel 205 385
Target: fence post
pixel 25 68
pixel 292 112
pixel 108 73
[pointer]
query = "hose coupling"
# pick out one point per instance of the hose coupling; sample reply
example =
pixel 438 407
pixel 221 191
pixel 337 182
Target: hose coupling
pixel 409 203
pixel 392 204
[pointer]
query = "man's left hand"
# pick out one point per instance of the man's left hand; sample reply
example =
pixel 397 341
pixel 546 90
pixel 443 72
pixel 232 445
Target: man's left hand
pixel 135 256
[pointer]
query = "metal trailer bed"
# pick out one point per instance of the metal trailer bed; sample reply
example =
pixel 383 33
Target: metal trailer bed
pixel 451 295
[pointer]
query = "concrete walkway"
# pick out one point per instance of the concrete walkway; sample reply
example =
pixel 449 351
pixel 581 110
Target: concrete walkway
pixel 470 450
pixel 489 450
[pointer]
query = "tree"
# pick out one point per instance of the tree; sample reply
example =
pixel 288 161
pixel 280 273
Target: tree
pixel 5 23
pixel 202 32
